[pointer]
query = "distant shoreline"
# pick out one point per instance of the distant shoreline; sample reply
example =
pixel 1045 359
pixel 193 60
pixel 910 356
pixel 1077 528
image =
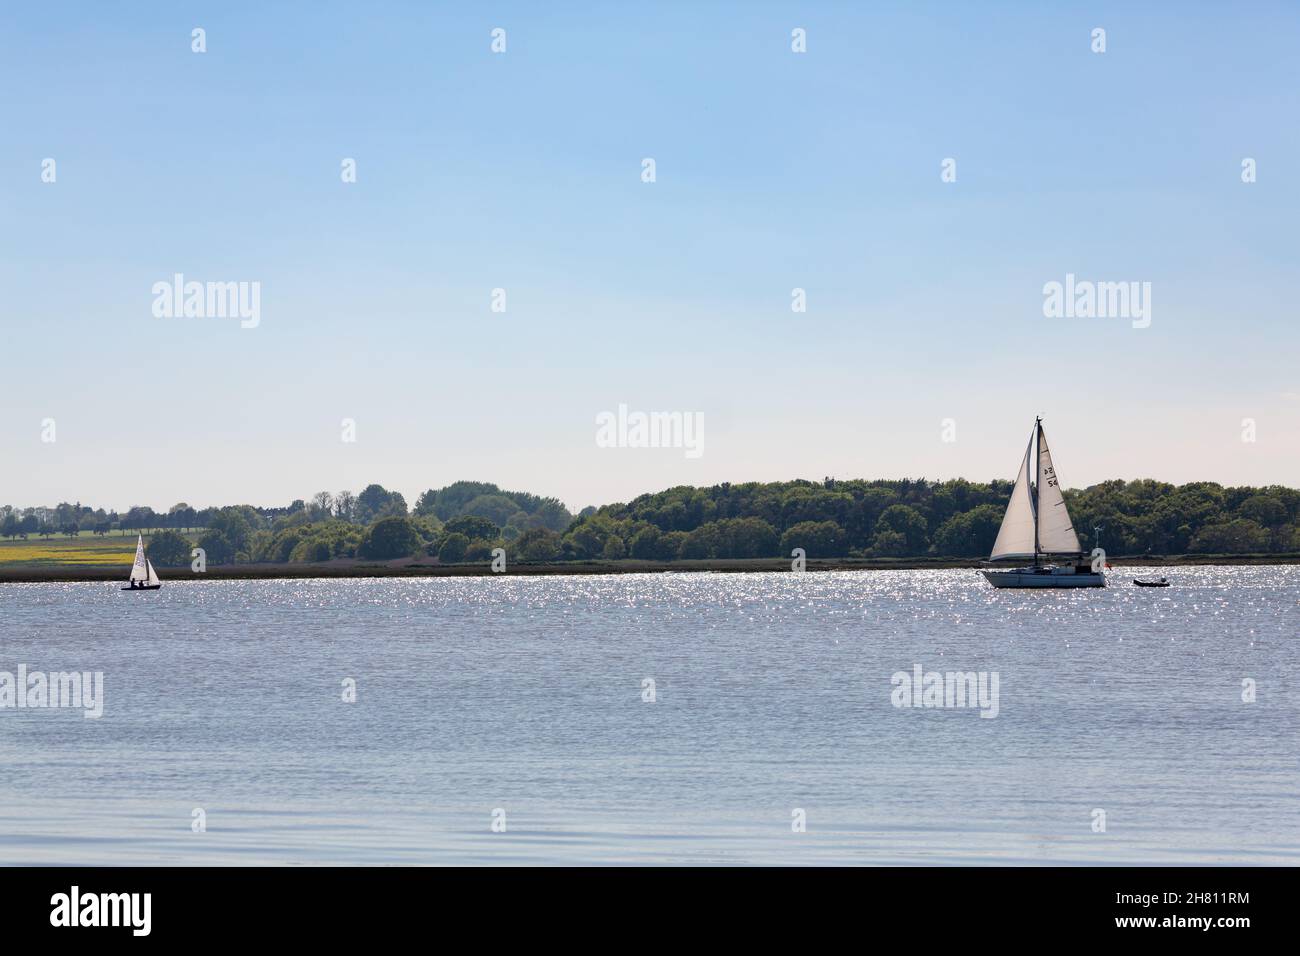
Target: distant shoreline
pixel 419 569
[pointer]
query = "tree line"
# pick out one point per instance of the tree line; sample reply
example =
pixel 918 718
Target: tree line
pixel 467 521
pixel 918 518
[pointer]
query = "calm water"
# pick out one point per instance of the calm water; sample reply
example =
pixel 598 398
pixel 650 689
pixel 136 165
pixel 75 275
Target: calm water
pixel 773 693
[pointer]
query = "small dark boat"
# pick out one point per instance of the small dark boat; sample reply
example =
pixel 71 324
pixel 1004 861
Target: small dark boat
pixel 1162 583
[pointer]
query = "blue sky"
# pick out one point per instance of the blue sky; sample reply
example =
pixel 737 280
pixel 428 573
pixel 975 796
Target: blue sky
pixel 521 171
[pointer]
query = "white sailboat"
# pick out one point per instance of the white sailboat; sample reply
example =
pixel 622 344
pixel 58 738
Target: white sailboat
pixel 143 576
pixel 1037 525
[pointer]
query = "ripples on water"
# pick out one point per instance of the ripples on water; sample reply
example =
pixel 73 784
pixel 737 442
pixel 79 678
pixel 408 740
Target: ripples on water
pixel 773 693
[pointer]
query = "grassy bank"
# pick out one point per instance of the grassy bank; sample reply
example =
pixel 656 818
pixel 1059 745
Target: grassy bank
pixel 101 569
pixel 90 551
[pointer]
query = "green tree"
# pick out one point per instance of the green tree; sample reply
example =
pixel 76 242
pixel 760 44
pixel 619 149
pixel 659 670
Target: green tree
pixel 537 545
pixel 890 543
pixel 970 533
pixel 1241 536
pixel 478 550
pixel 731 538
pixel 322 505
pixel 445 503
pixel 325 542
pixel 280 545
pixel 181 515
pixel 217 548
pixel 473 526
pixel 453 548
pixel 487 500
pixel 645 543
pixel 389 538
pixel 550 513
pixel 429 527
pixel 1264 510
pixel 237 523
pixel 670 545
pixel 907 521
pixel 140 518
pixel 169 549
pixel 375 502
pixel 497 509
pixel 311 551
pixel 819 539
pixel 517 524
pixel 586 539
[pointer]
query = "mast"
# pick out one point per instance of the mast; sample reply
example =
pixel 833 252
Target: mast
pixel 1037 440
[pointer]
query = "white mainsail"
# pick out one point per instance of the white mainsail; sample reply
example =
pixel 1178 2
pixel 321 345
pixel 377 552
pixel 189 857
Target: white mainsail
pixel 1016 536
pixel 1055 529
pixel 140 571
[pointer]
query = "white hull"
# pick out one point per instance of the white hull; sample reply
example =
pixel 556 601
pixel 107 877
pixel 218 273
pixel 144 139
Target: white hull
pixel 1051 577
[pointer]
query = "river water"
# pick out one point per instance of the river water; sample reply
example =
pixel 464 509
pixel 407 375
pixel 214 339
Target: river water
pixel 510 720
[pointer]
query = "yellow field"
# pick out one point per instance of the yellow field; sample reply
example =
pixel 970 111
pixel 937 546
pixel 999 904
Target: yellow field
pixel 57 552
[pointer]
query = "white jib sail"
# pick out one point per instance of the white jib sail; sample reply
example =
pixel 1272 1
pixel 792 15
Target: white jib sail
pixel 139 570
pixel 1055 529
pixel 153 575
pixel 1016 536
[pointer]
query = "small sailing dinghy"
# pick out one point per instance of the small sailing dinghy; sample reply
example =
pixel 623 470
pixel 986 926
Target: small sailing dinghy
pixel 1037 525
pixel 143 576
